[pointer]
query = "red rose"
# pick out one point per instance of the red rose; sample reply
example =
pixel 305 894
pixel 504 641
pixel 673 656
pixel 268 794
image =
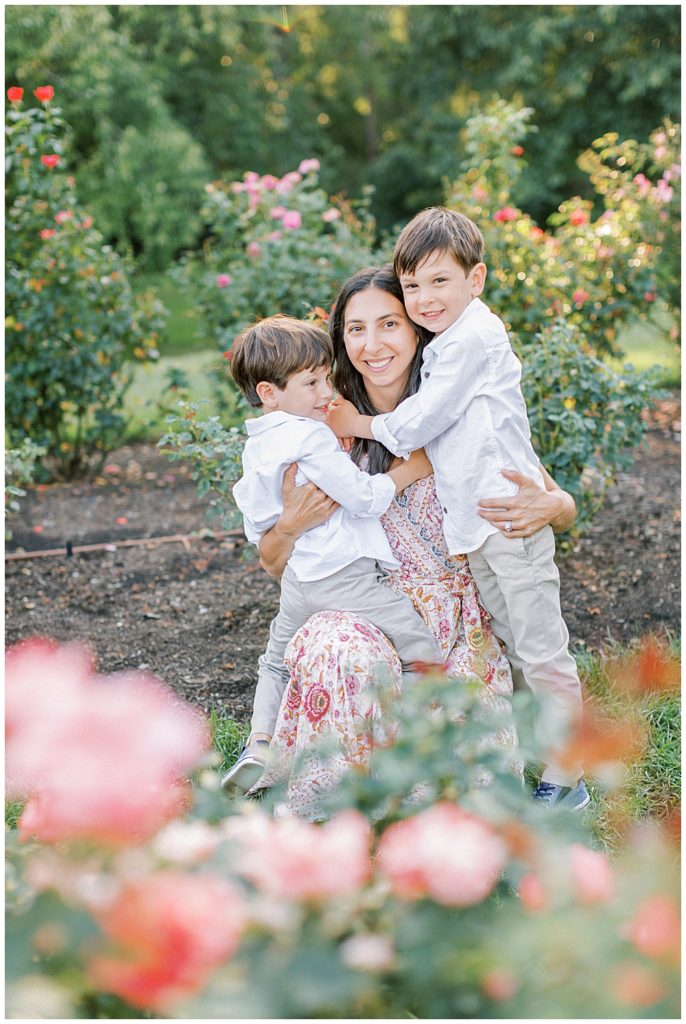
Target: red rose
pixel 15 94
pixel 577 217
pixel 649 296
pixel 44 93
pixel 517 151
pixel 50 160
pixel 47 232
pixel 506 213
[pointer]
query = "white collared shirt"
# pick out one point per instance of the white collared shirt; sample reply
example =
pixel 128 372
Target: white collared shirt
pixel 354 531
pixel 470 416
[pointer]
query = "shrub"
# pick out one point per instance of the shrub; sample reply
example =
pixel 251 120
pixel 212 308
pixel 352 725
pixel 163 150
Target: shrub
pixel 73 326
pixel 585 417
pixel 277 245
pixel 436 889
pixel 599 263
pixel 20 466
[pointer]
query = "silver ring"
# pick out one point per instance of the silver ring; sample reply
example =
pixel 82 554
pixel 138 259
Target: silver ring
pixel 508 526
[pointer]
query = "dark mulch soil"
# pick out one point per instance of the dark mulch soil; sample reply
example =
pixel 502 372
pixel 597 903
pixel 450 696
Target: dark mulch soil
pixel 198 614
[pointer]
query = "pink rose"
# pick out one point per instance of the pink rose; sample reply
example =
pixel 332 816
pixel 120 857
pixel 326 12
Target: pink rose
pixel 87 223
pixel 223 280
pixel 295 860
pixel 664 191
pixel 536 232
pixel 291 220
pixel 62 216
pixel 50 159
pixel 273 236
pixel 370 953
pixel 250 177
pixel 578 217
pixel 649 296
pixel 269 182
pixel 642 184
pixel 499 984
pixel 168 932
pixel 443 852
pixel 277 212
pixel 506 213
pixel 532 893
pixel 253 249
pixel 306 166
pixel 580 296
pixel 655 929
pixel 47 232
pixel 479 193
pixel 66 730
pixel 286 183
pixel 331 215
pixel 591 873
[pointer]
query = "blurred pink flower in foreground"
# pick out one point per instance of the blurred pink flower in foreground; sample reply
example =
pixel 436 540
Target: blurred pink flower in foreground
pixel 99 757
pixel 444 853
pixel 655 929
pixel 297 860
pixel 592 874
pixel 171 930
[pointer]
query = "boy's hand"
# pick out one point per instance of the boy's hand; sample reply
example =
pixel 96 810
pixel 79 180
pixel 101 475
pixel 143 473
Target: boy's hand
pixel 346 421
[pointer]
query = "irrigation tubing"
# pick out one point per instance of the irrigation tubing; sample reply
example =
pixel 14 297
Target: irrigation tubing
pixel 68 550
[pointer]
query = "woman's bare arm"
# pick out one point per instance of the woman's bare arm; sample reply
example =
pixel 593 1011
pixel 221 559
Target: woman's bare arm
pixel 531 508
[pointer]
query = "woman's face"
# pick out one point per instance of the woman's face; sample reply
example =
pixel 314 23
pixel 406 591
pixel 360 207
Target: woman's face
pixel 380 340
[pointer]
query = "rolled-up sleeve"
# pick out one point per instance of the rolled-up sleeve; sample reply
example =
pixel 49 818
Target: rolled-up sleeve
pixel 461 371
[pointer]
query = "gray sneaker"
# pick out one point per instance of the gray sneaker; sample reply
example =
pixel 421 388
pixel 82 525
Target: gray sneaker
pixel 550 795
pixel 247 769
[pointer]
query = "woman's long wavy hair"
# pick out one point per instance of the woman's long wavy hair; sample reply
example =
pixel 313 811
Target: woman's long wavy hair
pixel 348 381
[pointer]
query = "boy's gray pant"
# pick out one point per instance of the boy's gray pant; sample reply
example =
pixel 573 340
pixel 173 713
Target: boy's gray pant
pixel 356 589
pixel 519 586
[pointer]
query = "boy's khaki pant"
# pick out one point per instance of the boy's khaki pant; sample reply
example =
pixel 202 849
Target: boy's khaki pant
pixel 519 585
pixel 357 589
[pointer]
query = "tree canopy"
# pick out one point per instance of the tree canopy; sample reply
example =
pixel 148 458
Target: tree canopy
pixel 164 98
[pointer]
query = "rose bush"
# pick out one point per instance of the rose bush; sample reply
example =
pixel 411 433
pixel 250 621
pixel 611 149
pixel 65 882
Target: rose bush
pixel 73 328
pixel 596 263
pixel 436 888
pixel 276 245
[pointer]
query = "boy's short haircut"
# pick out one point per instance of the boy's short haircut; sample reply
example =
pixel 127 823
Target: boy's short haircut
pixel 273 349
pixel 437 229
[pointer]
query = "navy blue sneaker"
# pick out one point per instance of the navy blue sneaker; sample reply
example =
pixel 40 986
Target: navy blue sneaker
pixel 247 769
pixel 574 799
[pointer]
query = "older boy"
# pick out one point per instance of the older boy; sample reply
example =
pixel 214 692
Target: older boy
pixel 282 366
pixel 470 414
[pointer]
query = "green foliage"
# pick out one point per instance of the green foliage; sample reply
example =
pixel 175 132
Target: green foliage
pixel 276 246
pixel 72 323
pixel 214 453
pixel 585 417
pixel 378 93
pixel 20 468
pixel 596 271
pixel 137 168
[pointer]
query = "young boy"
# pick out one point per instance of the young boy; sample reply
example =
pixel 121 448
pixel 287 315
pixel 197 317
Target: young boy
pixel 470 414
pixel 282 366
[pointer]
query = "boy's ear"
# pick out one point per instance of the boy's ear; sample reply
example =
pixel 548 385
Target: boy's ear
pixel 266 393
pixel 478 275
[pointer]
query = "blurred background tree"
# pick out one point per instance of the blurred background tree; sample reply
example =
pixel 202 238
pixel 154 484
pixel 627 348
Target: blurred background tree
pixel 164 98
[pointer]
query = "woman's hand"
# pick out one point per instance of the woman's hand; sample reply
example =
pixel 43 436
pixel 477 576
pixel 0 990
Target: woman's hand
pixel 530 509
pixel 304 507
pixel 346 421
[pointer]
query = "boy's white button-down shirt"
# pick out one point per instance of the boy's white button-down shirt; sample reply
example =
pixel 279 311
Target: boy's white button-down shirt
pixel 354 531
pixel 470 416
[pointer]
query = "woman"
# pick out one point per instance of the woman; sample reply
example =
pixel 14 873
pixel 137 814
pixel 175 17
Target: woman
pixel 334 660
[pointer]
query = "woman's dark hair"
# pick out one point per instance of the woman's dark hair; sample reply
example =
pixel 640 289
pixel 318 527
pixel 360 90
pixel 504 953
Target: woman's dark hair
pixel 347 380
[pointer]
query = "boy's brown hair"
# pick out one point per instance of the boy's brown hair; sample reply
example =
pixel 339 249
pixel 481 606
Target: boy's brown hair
pixel 438 229
pixel 273 349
